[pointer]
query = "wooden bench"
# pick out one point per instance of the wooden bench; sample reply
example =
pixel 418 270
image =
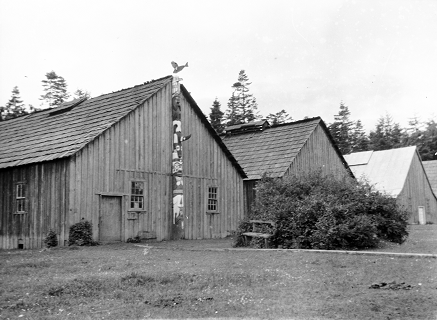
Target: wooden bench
pixel 255 234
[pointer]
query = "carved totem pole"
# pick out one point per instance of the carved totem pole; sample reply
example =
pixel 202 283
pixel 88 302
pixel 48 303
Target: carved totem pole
pixel 177 180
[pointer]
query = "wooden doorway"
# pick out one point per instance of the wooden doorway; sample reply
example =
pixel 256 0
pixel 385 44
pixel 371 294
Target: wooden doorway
pixel 422 216
pixel 110 218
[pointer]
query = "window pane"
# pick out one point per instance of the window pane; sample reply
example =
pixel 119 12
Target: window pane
pixel 137 202
pixel 20 205
pixel 137 187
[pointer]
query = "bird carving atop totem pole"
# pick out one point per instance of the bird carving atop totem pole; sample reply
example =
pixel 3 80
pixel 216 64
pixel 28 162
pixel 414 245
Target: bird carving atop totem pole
pixel 178 68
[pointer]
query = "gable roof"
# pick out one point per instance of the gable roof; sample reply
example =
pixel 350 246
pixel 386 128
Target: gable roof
pixel 49 135
pixel 386 169
pixel 62 131
pixel 431 171
pixel 273 149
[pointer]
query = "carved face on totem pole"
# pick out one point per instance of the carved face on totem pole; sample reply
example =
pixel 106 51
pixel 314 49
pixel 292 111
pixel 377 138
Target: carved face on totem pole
pixel 176 107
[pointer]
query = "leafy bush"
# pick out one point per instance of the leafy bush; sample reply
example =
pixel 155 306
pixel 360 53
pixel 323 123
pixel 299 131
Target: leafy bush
pixel 51 239
pixel 243 226
pixel 317 211
pixel 134 240
pixel 81 234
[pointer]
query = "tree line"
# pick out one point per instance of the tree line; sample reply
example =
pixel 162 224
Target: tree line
pixel 387 134
pixel 243 108
pixel 55 93
pixel 349 135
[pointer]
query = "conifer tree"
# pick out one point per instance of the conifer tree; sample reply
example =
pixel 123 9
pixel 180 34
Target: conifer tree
pixel 279 117
pixel 428 150
pixel 359 139
pixel 14 107
pixel 341 129
pixel 242 105
pixel 387 134
pixel 79 94
pixel 216 116
pixel 232 116
pixel 55 88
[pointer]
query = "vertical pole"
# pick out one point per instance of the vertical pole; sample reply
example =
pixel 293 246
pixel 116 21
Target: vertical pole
pixel 177 230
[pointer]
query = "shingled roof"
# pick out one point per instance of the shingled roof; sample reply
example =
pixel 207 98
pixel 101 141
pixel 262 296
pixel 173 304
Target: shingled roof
pixel 52 134
pixel 62 131
pixel 431 171
pixel 272 150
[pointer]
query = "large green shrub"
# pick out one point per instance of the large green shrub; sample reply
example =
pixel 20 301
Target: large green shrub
pixel 320 211
pixel 81 234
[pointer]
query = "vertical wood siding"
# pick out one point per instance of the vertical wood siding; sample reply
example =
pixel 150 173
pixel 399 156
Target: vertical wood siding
pixel 46 204
pixel 205 164
pixel 318 153
pixel 417 192
pixel 136 148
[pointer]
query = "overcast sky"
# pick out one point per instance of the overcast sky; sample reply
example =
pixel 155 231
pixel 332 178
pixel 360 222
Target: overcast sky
pixel 302 56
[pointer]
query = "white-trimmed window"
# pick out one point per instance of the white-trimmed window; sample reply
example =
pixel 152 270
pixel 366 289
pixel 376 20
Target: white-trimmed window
pixel 137 195
pixel 20 197
pixel 212 205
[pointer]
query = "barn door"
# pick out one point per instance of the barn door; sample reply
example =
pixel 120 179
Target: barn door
pixel 422 216
pixel 110 218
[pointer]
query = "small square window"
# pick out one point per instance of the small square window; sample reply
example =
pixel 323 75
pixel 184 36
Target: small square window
pixel 137 195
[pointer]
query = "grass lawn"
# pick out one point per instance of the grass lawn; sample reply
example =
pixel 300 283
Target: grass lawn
pixel 124 281
pixel 421 239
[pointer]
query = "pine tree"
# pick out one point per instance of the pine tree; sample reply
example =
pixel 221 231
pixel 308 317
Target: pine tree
pixel 14 107
pixel 232 115
pixel 279 117
pixel 359 139
pixel 79 94
pixel 414 134
pixel 242 105
pixel 55 88
pixel 387 134
pixel 428 148
pixel 216 116
pixel 341 129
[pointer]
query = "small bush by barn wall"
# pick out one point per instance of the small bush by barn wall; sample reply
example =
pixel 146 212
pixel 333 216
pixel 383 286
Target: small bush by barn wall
pixel 321 212
pixel 51 239
pixel 81 234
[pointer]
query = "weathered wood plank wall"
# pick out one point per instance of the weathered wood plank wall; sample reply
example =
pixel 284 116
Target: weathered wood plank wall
pixel 318 153
pixel 417 192
pixel 205 164
pixel 46 204
pixel 137 148
pixel 134 149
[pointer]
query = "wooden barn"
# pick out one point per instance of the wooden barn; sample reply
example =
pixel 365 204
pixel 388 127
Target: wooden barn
pixel 285 149
pixel 431 171
pixel 399 173
pixel 111 160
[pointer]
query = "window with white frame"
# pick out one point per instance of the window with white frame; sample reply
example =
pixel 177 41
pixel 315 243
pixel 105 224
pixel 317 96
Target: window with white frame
pixel 137 195
pixel 212 199
pixel 20 197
